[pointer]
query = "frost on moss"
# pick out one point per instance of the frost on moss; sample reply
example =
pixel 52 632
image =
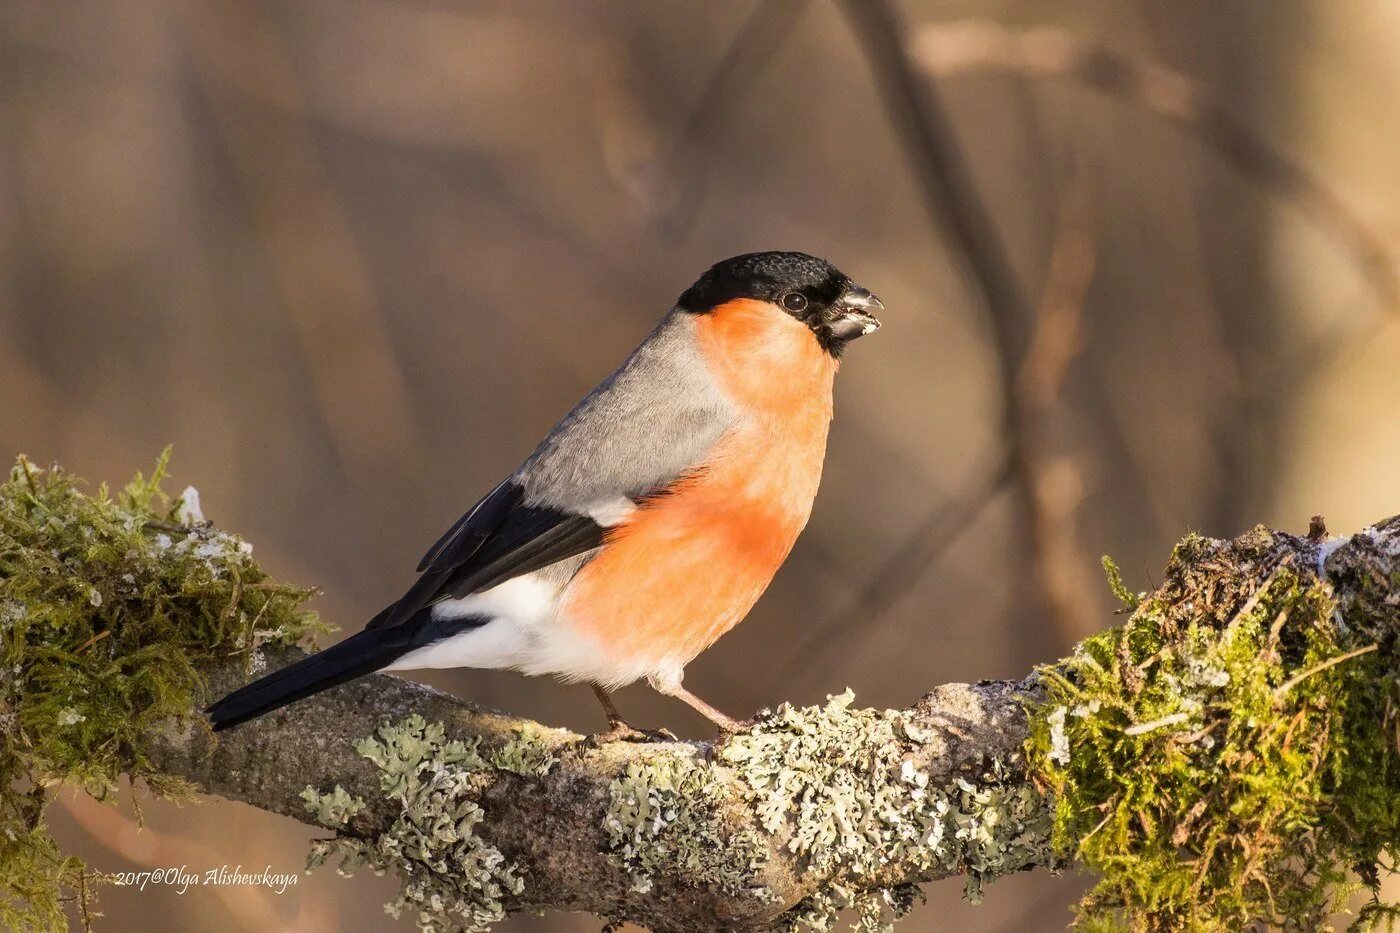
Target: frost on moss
pixel 665 815
pixel 108 605
pixel 841 784
pixel 1228 756
pixel 451 877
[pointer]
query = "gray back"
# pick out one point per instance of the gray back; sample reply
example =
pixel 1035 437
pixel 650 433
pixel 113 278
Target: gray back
pixel 647 423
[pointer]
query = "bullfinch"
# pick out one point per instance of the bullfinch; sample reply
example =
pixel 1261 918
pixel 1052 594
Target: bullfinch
pixel 651 518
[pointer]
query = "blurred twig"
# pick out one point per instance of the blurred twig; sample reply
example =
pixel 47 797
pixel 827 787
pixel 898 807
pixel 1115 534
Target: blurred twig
pixel 1059 333
pixel 920 549
pixel 950 192
pixel 323 280
pixel 958 48
pixel 951 198
pixel 1060 565
pixel 1323 350
pixel 769 25
pixel 974 45
pixel 1061 571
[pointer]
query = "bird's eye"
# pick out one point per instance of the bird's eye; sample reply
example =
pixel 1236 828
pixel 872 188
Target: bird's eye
pixel 795 301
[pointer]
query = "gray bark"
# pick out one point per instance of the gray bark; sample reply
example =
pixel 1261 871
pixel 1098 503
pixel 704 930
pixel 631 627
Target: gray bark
pixel 552 826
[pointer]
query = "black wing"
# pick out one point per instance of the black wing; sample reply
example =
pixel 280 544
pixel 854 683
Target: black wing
pixel 469 531
pixel 499 538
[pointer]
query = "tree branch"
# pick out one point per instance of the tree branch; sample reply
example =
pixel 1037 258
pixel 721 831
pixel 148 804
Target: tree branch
pixel 553 827
pixel 1223 758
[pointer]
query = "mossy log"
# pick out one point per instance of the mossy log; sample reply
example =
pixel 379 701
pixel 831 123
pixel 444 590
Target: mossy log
pixel 1226 757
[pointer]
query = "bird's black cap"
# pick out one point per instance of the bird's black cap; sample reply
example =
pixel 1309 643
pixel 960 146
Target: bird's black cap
pixel 766 276
pixel 807 287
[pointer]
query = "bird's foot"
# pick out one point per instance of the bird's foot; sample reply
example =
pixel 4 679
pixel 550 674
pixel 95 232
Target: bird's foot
pixel 728 729
pixel 621 731
pixel 726 732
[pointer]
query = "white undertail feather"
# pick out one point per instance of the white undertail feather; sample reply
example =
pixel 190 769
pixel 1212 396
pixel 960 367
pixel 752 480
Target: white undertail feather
pixel 525 634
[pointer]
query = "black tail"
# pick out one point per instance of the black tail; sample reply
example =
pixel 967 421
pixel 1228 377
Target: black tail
pixel 354 657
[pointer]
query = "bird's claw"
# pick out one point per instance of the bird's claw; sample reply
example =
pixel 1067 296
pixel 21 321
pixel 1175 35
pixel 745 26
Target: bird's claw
pixel 623 732
pixel 730 728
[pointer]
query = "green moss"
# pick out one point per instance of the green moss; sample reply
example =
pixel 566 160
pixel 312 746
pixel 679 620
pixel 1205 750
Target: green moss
pixel 108 605
pixel 840 783
pixel 449 876
pixel 1115 583
pixel 1217 761
pixel 665 815
pixel 35 871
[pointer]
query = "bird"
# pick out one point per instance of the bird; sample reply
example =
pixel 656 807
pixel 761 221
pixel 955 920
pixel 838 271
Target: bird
pixel 648 521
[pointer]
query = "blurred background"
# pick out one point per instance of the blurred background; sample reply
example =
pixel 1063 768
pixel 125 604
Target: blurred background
pixel 354 257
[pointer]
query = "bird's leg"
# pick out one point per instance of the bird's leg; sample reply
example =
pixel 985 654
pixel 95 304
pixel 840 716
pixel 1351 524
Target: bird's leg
pixel 726 724
pixel 618 728
pixel 671 686
pixel 609 709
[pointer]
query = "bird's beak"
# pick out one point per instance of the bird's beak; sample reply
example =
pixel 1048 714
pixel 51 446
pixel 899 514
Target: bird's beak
pixel 855 314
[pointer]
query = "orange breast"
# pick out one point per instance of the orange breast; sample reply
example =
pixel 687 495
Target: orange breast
pixel 688 566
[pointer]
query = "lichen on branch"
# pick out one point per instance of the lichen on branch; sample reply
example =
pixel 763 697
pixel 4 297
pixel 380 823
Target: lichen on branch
pixel 1226 757
pixel 450 877
pixel 843 786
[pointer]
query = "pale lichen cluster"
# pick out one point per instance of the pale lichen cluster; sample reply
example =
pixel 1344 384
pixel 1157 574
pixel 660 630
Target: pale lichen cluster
pixel 666 815
pixel 527 753
pixel 450 877
pixel 839 788
pixel 842 789
pixel 333 809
